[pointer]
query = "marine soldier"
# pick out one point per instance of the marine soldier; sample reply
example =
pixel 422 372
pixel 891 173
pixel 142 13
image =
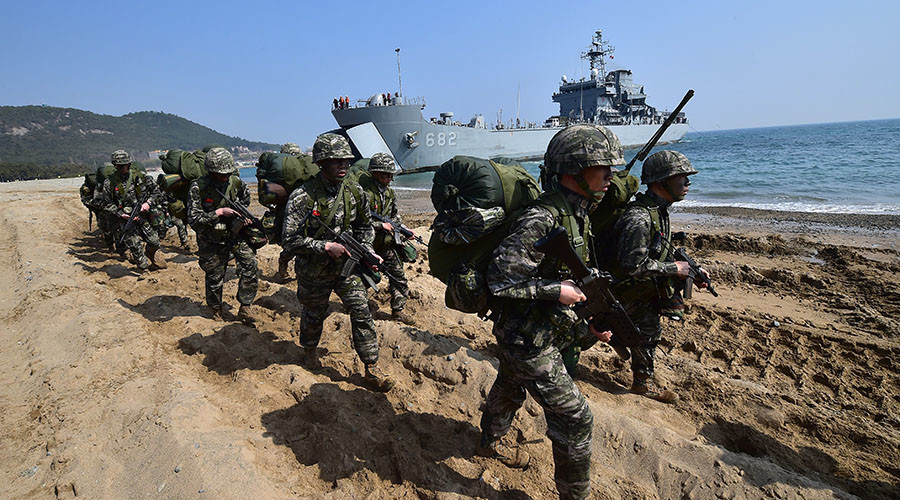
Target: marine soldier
pixel 329 199
pixel 535 293
pixel 173 221
pixel 284 258
pixel 117 198
pixel 644 267
pixel 291 149
pixel 383 201
pixel 219 236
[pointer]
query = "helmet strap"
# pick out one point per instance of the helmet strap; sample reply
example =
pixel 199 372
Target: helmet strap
pixel 674 194
pixel 595 196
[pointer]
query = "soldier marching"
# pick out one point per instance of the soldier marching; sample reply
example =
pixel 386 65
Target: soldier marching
pixel 534 293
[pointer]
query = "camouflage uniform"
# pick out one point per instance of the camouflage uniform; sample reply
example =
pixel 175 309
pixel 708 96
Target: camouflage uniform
pixel 317 273
pixel 87 199
pixel 172 221
pixel 284 257
pixel 533 324
pixel 117 197
pixel 644 267
pixel 216 242
pixel 383 201
pixel 529 332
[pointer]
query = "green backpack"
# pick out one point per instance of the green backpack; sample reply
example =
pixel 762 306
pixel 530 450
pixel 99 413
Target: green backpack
pixel 477 200
pixel 180 168
pixel 621 191
pixel 278 174
pixel 188 165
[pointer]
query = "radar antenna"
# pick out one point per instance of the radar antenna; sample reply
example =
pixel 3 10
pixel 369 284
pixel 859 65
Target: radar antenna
pixel 596 53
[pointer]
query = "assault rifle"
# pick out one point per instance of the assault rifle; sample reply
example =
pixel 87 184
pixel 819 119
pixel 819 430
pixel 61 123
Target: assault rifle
pixel 696 272
pixel 359 254
pixel 243 211
pixel 601 304
pixel 399 228
pixel 642 154
pixel 135 212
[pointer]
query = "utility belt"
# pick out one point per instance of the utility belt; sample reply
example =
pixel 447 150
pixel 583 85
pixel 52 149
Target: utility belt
pixel 541 325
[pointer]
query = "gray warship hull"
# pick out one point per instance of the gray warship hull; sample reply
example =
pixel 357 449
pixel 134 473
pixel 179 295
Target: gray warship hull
pixel 401 131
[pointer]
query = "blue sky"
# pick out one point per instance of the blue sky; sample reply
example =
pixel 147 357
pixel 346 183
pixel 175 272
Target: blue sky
pixel 269 70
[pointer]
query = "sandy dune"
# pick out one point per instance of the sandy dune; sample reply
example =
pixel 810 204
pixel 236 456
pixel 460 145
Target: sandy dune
pixel 115 385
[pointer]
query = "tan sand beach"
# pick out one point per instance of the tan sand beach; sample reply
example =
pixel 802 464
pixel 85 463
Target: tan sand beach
pixel 117 385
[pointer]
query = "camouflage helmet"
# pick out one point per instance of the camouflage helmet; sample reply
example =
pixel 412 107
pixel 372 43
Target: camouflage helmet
pixel 382 162
pixel 581 146
pixel 331 146
pixel 219 161
pixel 291 149
pixel 664 164
pixel 121 157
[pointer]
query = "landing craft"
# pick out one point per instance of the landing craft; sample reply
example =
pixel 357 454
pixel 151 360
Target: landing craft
pixel 394 124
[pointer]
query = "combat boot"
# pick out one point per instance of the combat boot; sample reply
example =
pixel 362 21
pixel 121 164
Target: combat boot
pixel 649 390
pixel 512 457
pixel 378 380
pixel 245 315
pixel 403 317
pixel 155 257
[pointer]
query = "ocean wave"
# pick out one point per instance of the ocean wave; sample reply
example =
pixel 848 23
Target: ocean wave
pixel 800 206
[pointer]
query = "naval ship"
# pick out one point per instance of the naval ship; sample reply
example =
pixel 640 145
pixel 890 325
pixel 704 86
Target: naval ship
pixel 395 125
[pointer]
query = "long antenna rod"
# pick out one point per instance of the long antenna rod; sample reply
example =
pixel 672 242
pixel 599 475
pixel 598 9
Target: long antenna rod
pixel 399 78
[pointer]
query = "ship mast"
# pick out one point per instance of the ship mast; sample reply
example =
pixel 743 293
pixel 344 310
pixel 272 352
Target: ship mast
pixel 399 78
pixel 597 52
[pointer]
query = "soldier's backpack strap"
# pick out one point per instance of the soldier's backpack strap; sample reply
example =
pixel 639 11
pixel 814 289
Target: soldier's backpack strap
pixel 647 203
pixel 555 203
pixel 355 191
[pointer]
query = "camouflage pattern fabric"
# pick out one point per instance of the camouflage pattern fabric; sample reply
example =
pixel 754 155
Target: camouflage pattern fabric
pixel 331 146
pixel 116 197
pixel 634 240
pixel 580 146
pixel 532 325
pixel 317 273
pixel 179 226
pixel 219 161
pixel 664 164
pixel 399 287
pixel 216 244
pixel 201 213
pixel 121 157
pixel 213 259
pixel 383 201
pixel 637 256
pixel 313 294
pixel 569 419
pixel 382 162
pixel 291 149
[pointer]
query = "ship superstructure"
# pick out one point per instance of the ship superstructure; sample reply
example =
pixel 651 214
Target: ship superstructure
pixel 394 124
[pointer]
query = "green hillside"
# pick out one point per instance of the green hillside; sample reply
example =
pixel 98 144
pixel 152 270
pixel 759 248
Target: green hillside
pixel 46 135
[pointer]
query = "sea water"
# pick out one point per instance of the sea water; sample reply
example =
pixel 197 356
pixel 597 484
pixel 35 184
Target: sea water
pixel 849 167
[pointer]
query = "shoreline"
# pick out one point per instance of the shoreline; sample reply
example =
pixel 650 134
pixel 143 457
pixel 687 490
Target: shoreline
pixel 857 229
